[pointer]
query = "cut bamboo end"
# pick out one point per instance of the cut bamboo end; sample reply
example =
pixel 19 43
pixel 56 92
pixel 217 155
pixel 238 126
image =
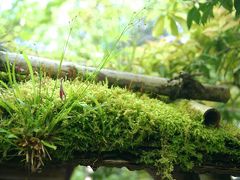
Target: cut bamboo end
pixel 211 116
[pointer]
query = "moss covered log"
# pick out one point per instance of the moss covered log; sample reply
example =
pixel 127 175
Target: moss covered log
pixel 38 127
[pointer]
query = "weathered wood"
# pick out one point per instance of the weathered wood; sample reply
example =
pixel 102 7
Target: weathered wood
pixel 148 84
pixel 13 172
pixel 56 170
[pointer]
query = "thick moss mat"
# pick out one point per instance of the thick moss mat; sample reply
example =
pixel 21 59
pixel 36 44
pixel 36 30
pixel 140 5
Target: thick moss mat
pixel 37 126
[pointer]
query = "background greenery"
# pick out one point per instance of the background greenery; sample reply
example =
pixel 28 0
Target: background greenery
pixel 155 38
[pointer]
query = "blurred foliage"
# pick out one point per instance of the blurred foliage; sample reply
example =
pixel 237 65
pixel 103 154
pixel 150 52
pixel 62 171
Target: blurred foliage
pixel 201 12
pixel 102 173
pixel 156 39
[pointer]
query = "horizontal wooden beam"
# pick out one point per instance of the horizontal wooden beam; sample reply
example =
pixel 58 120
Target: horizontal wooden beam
pixel 147 84
pixel 126 159
pixel 62 170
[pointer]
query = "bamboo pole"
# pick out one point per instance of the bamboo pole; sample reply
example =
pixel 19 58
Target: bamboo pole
pixel 211 116
pixel 147 84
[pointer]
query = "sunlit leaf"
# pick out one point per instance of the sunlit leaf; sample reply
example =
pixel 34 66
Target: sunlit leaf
pixel 49 145
pixel 30 68
pixel 159 26
pixel 173 26
pixel 181 21
pixel 3 84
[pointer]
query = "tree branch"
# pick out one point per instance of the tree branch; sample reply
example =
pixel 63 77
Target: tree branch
pixel 147 84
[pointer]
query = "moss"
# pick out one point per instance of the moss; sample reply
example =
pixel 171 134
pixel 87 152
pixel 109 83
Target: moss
pixel 94 118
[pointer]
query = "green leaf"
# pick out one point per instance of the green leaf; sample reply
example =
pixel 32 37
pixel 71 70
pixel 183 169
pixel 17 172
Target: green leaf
pixel 173 26
pixel 5 106
pixel 14 73
pixel 9 70
pixel 193 15
pixel 159 27
pixel 4 84
pixel 236 76
pixel 49 145
pixel 8 133
pixel 237 7
pixel 181 21
pixel 30 68
pixel 227 4
pixel 207 11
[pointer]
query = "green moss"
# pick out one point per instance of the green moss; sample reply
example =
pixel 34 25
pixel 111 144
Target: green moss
pixel 94 118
